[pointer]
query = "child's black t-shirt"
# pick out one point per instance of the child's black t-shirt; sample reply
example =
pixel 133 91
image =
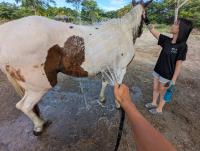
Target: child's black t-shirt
pixel 169 55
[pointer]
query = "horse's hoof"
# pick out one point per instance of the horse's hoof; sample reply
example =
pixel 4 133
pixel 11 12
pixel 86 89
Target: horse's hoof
pixel 118 106
pixel 47 124
pixel 37 133
pixel 102 100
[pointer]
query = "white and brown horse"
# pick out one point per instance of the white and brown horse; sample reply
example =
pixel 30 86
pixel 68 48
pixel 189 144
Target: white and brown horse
pixel 33 50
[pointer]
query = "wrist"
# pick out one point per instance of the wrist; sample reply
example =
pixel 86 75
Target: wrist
pixel 126 103
pixel 129 107
pixel 150 26
pixel 173 81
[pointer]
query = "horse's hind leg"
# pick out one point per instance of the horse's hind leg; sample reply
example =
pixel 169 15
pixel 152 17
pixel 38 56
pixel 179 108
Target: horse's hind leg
pixel 30 100
pixel 36 110
pixel 20 103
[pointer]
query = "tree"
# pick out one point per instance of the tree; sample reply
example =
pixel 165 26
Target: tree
pixel 7 11
pixel 36 5
pixel 54 11
pixel 160 12
pixel 90 11
pixel 110 14
pixel 191 11
pixel 76 3
pixel 179 4
pixel 121 12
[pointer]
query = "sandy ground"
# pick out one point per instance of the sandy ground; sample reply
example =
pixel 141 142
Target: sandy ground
pixel 81 124
pixel 180 122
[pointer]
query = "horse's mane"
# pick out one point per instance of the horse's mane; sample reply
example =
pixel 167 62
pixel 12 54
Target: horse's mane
pixel 133 17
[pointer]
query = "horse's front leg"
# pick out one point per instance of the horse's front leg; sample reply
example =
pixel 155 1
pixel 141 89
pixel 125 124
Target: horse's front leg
pixel 103 88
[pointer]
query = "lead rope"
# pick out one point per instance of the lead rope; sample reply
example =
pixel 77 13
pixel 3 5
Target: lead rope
pixel 120 130
pixel 122 119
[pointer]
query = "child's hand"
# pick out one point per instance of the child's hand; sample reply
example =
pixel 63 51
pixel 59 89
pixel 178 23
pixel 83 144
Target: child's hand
pixel 122 94
pixel 169 84
pixel 145 18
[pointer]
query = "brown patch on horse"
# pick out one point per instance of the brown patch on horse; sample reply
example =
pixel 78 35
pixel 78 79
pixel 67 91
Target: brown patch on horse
pixel 35 66
pixel 52 64
pixel 15 74
pixel 16 77
pixel 67 60
pixel 74 56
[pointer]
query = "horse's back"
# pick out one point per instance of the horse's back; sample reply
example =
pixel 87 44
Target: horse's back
pixel 24 45
pixel 25 39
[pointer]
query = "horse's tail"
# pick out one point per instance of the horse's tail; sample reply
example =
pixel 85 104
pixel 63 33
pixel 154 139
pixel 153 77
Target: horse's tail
pixel 20 91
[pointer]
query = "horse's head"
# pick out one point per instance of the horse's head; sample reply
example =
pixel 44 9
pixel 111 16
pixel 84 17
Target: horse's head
pixel 141 2
pixel 144 7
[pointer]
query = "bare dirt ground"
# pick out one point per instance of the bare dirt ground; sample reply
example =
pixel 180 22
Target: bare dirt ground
pixel 181 120
pixel 81 124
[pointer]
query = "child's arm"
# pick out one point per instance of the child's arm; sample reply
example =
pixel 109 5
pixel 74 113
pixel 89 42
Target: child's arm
pixel 151 28
pixel 177 70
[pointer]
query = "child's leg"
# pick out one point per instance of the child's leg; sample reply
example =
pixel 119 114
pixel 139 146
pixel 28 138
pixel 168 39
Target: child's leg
pixel 162 90
pixel 155 91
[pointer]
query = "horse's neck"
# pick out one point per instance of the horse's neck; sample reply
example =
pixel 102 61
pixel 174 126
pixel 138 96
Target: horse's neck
pixel 126 27
pixel 131 21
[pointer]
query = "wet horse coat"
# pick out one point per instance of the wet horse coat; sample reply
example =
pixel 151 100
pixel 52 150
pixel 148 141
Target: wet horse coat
pixel 33 50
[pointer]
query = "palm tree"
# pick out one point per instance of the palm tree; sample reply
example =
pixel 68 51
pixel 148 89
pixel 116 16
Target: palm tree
pixel 35 4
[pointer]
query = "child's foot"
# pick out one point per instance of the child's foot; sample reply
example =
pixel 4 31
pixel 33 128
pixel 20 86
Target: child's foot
pixel 155 111
pixel 150 106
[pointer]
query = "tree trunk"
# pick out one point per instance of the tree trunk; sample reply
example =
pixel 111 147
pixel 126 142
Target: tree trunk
pixel 178 6
pixel 176 14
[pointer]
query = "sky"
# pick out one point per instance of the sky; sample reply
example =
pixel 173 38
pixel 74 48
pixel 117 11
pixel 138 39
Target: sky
pixel 106 5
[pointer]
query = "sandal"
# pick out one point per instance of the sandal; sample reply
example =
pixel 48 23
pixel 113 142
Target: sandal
pixel 155 112
pixel 150 106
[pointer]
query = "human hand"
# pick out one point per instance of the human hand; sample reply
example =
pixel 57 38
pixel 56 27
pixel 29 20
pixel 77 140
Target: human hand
pixel 170 83
pixel 122 94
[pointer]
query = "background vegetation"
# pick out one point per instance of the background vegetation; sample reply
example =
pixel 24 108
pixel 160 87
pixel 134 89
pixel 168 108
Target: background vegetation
pixel 87 12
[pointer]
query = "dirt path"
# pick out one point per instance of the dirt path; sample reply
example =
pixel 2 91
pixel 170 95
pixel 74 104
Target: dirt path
pixel 85 126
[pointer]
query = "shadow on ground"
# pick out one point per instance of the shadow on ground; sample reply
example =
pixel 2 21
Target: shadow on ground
pixel 80 122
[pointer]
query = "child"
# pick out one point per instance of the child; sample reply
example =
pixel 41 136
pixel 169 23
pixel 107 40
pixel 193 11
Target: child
pixel 169 63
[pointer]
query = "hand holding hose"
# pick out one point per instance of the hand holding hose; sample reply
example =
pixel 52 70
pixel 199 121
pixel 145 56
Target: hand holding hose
pixel 122 94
